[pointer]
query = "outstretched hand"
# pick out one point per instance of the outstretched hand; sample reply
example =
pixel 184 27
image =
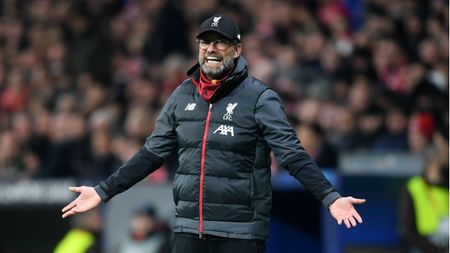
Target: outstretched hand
pixel 343 211
pixel 87 200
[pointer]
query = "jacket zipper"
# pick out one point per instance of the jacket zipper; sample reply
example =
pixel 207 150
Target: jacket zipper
pixel 202 174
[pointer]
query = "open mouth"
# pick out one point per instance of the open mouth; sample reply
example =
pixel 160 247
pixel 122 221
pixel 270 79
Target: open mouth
pixel 213 59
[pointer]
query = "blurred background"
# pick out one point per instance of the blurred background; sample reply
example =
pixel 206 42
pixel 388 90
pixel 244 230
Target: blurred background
pixel 364 83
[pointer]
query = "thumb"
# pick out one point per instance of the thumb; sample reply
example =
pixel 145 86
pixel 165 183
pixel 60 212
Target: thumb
pixel 75 189
pixel 357 201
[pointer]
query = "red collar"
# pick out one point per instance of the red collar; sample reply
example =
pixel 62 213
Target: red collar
pixel 206 87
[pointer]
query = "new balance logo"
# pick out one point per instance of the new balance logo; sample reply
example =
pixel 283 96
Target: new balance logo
pixel 190 107
pixel 224 130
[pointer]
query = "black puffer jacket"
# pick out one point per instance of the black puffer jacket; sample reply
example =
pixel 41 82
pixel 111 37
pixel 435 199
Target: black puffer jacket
pixel 222 186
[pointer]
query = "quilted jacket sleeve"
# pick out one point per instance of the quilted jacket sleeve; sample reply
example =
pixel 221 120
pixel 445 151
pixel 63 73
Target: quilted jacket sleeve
pixel 289 152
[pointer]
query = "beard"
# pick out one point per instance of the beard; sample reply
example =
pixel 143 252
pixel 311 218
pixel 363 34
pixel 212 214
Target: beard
pixel 217 73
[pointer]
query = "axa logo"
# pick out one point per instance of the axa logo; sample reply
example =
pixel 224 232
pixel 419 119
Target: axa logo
pixel 190 107
pixel 215 22
pixel 229 113
pixel 225 130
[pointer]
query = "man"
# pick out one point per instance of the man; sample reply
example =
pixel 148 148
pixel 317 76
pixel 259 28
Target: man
pixel 148 233
pixel 424 208
pixel 224 124
pixel 84 236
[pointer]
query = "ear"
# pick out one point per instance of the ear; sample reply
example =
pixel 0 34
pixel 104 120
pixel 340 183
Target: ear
pixel 237 50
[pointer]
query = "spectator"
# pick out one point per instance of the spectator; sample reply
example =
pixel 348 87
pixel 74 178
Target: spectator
pixel 10 162
pixel 84 236
pixel 394 138
pixel 370 128
pixel 420 132
pixel 343 137
pixel 423 209
pixel 102 161
pixel 315 143
pixel 69 149
pixel 148 234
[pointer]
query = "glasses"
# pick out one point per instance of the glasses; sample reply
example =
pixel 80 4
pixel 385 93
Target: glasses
pixel 219 43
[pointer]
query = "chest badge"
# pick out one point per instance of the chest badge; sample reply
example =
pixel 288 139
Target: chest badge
pixel 229 113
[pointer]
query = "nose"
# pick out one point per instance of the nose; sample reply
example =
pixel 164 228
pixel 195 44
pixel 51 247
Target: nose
pixel 211 47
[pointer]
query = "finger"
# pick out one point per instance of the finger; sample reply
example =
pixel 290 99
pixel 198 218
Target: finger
pixel 75 189
pixel 69 206
pixel 352 221
pixel 358 217
pixel 75 210
pixel 69 213
pixel 347 223
pixel 357 201
pixel 340 221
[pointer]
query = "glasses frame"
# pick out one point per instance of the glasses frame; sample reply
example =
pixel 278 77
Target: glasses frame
pixel 220 44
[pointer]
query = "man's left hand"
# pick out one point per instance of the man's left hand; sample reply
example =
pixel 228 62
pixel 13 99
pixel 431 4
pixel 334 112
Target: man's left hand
pixel 343 211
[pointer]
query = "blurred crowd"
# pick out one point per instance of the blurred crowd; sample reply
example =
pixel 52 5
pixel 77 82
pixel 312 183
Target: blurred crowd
pixel 147 233
pixel 81 82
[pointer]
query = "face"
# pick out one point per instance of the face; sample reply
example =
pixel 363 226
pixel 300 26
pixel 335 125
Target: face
pixel 216 55
pixel 142 224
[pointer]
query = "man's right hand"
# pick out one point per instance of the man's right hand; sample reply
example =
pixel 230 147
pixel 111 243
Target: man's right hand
pixel 87 200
